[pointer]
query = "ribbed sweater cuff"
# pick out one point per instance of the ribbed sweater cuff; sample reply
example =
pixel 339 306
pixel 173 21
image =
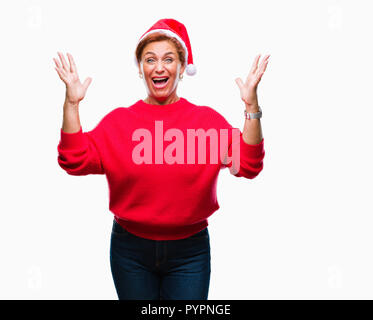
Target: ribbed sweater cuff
pixel 252 150
pixel 72 140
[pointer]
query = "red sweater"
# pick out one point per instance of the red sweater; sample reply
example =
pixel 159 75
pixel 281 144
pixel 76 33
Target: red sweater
pixel 158 199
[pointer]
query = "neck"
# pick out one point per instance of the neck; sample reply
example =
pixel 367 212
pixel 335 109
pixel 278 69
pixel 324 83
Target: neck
pixel 162 101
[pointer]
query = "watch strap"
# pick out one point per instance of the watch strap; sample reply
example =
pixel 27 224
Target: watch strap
pixel 256 115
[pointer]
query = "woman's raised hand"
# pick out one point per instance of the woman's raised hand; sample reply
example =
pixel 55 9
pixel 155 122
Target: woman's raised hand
pixel 248 89
pixel 75 90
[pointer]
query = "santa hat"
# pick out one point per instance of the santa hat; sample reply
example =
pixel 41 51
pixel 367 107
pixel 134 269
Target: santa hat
pixel 174 28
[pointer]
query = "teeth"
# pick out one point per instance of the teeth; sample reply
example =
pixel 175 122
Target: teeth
pixel 160 78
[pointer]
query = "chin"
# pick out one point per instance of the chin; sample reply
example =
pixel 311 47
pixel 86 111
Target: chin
pixel 161 96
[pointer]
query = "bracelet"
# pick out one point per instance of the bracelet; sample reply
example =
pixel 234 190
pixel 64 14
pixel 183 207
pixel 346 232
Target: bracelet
pixel 256 115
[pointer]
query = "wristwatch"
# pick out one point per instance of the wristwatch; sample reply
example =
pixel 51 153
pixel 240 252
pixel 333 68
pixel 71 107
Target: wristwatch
pixel 256 115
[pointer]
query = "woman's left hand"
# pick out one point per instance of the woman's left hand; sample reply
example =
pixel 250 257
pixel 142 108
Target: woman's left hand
pixel 248 89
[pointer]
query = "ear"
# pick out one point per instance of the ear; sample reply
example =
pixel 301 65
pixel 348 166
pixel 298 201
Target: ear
pixel 139 67
pixel 182 69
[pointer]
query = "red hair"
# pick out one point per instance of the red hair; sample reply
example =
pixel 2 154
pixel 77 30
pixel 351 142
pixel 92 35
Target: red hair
pixel 157 36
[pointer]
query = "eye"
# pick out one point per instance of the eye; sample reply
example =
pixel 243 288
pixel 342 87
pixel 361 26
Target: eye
pixel 147 60
pixel 169 59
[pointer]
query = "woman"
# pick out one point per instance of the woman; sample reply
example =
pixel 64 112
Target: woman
pixel 162 190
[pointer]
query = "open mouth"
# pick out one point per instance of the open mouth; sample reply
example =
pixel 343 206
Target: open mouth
pixel 160 82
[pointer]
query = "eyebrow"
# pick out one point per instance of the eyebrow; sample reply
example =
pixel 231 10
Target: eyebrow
pixel 150 52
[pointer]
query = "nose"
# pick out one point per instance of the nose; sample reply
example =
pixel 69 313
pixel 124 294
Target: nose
pixel 159 67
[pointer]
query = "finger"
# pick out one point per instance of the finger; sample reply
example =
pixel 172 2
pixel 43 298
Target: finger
pixel 72 63
pixel 64 63
pixel 265 60
pixel 61 71
pixel 260 77
pixel 262 72
pixel 60 74
pixel 57 63
pixel 255 64
pixel 239 82
pixel 87 82
pixel 264 67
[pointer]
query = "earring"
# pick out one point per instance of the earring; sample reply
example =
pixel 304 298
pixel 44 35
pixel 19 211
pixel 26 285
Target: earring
pixel 181 77
pixel 140 75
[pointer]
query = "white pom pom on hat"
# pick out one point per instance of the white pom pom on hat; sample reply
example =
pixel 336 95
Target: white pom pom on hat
pixel 176 29
pixel 191 69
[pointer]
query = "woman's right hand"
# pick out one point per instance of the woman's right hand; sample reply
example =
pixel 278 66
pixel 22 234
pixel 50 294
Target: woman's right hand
pixel 75 90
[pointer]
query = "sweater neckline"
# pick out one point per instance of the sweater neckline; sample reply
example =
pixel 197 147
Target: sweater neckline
pixel 163 107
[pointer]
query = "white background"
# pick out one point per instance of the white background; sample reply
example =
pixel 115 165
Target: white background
pixel 302 229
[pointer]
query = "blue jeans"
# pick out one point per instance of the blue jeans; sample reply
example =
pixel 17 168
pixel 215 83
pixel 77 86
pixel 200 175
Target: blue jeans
pixel 145 269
